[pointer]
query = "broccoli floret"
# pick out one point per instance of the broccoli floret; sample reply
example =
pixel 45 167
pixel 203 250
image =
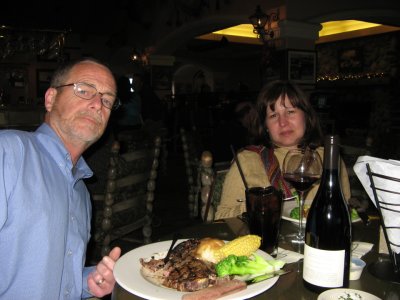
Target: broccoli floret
pixel 243 265
pixel 295 213
pixel 354 214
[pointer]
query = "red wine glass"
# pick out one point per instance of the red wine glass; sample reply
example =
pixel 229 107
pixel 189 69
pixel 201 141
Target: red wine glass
pixel 301 168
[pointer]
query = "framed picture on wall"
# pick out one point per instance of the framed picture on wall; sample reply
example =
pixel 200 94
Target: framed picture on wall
pixel 302 66
pixel 43 77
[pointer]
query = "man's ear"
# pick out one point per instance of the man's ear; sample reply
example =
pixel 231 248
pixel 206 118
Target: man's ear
pixel 49 98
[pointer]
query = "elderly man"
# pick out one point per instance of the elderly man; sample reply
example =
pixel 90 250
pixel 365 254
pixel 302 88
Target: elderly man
pixel 45 207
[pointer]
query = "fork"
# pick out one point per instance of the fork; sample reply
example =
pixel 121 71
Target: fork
pixel 175 238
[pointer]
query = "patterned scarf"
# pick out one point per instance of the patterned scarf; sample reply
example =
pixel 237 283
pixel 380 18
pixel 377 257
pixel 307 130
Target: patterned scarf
pixel 272 169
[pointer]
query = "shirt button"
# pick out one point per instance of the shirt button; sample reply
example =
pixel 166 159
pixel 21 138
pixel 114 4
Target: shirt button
pixel 69 253
pixel 72 218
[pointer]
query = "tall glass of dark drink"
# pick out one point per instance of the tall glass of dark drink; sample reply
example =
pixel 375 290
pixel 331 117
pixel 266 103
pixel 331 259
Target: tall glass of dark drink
pixel 264 213
pixel 301 168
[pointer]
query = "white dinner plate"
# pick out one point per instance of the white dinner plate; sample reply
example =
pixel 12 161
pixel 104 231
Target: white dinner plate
pixel 335 294
pixel 289 205
pixel 128 275
pixel 287 208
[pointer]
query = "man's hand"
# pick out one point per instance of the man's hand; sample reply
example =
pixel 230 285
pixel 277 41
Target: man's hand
pixel 101 282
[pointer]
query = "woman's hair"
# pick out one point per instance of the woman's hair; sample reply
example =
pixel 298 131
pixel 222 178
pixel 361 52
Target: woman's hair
pixel 268 96
pixel 245 113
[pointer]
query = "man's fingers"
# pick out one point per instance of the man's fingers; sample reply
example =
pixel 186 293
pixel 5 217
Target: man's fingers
pixel 108 262
pixel 115 253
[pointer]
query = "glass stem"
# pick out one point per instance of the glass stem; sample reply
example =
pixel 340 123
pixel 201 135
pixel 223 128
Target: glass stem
pixel 301 212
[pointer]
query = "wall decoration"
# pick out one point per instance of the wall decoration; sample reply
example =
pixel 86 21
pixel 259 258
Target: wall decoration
pixel 302 66
pixel 272 64
pixel 43 77
pixel 350 61
pixel 53 57
pixel 13 75
pixel 14 84
pixel 17 78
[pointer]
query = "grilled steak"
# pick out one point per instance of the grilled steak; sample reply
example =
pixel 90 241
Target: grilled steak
pixel 183 271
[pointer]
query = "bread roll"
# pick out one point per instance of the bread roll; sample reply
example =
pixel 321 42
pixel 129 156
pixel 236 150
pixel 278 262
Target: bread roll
pixel 207 249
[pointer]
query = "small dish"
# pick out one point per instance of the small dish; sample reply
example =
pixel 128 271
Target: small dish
pixel 356 268
pixel 290 204
pixel 346 294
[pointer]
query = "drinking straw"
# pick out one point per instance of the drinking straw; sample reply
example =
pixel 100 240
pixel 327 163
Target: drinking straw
pixel 240 168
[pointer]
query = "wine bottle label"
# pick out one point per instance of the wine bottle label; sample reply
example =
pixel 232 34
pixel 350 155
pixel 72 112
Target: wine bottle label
pixel 323 268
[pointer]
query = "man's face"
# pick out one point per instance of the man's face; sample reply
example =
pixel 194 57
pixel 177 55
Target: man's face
pixel 77 120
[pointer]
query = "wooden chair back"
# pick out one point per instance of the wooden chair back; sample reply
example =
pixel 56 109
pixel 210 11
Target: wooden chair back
pixel 127 204
pixel 212 181
pixel 191 146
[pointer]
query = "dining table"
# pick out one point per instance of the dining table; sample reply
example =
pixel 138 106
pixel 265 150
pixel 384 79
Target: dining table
pixel 290 286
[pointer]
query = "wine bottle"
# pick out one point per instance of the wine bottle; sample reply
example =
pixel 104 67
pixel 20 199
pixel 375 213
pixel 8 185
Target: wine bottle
pixel 327 247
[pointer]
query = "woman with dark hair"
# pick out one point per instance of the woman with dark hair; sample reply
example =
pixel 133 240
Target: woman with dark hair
pixel 285 96
pixel 286 121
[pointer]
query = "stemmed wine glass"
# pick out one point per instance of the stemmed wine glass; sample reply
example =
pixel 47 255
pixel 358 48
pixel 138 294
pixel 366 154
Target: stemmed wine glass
pixel 301 168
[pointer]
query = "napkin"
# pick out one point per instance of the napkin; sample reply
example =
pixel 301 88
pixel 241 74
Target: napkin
pixel 359 249
pixel 389 168
pixel 288 256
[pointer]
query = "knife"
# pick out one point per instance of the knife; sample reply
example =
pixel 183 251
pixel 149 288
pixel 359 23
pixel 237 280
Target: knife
pixel 267 276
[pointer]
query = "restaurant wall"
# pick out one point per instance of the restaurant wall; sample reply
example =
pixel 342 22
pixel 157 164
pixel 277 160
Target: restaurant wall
pixel 362 58
pixel 229 71
pixel 25 76
pixel 357 83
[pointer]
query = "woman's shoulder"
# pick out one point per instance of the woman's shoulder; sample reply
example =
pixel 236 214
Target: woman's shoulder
pixel 285 150
pixel 254 148
pixel 251 161
pixel 250 151
pixel 321 151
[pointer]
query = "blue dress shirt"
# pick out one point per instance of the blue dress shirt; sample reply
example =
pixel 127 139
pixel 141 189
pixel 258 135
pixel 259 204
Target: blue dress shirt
pixel 45 216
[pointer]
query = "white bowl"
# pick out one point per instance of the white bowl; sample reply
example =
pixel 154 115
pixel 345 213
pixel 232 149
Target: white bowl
pixel 356 268
pixel 335 294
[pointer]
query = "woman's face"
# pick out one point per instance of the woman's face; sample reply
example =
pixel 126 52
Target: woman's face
pixel 286 124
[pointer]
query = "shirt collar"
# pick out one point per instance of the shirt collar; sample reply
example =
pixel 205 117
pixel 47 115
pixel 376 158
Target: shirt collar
pixel 52 143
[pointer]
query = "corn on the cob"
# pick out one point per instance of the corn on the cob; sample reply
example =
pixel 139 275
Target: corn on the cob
pixel 244 245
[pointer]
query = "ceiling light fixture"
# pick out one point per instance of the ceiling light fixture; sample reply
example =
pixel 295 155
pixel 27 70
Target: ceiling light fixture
pixel 243 33
pixel 262 23
pixel 141 56
pixel 335 27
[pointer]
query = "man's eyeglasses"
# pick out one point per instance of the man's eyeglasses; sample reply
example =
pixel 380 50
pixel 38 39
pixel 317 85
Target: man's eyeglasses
pixel 88 92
